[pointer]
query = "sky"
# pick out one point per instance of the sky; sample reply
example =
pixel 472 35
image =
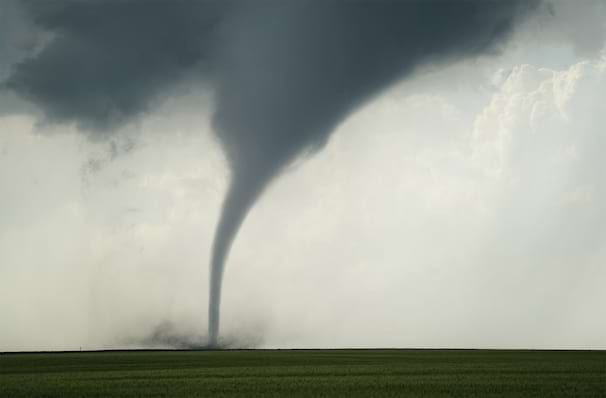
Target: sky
pixel 459 206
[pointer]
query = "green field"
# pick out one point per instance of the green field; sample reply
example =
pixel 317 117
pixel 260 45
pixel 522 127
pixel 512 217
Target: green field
pixel 305 373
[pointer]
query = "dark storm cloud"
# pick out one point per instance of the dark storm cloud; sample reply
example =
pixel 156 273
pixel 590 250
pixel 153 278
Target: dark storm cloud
pixel 107 60
pixel 285 73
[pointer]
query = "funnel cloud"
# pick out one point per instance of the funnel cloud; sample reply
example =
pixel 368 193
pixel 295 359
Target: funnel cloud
pixel 284 73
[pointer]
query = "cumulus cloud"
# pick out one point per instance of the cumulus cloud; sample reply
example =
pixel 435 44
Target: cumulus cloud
pixel 540 134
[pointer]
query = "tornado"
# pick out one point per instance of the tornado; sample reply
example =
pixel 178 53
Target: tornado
pixel 239 199
pixel 291 71
pixel 283 73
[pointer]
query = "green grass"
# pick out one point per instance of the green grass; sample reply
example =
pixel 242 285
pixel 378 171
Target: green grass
pixel 313 373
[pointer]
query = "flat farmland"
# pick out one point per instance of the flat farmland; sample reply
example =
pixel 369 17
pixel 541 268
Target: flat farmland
pixel 305 373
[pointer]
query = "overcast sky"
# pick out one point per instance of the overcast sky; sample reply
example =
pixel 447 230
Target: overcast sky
pixel 463 206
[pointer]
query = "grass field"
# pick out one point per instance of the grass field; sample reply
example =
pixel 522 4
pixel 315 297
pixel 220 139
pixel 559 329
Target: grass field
pixel 305 373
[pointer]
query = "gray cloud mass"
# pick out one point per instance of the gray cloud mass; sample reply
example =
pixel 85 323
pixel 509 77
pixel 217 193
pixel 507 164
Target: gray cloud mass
pixel 107 60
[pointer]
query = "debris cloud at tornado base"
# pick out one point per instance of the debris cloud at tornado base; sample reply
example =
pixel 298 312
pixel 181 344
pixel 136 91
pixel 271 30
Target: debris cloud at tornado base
pixel 284 73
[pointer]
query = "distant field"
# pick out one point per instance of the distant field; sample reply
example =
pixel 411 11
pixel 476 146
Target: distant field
pixel 313 373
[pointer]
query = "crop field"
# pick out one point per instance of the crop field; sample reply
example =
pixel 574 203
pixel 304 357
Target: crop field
pixel 305 373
